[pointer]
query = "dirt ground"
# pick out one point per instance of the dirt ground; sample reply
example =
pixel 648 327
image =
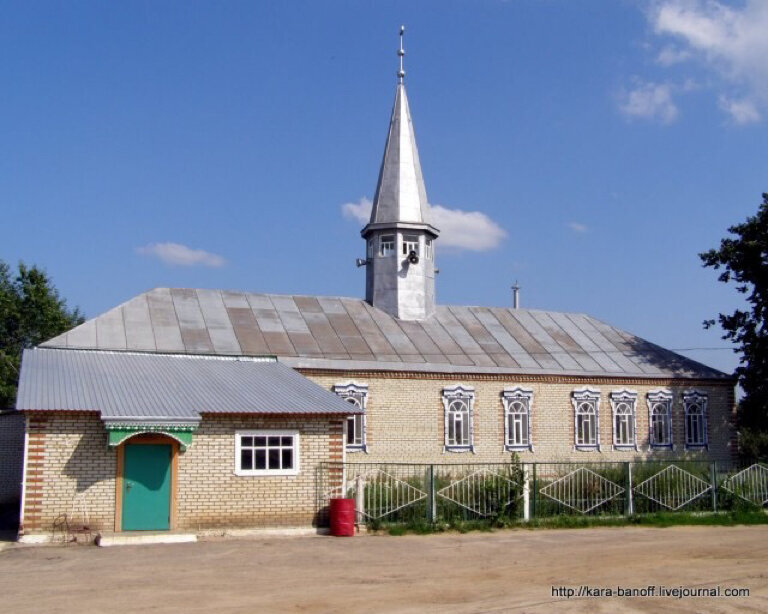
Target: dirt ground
pixel 504 571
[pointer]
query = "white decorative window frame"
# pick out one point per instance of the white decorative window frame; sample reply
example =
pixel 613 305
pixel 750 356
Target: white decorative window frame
pixel 467 394
pixel 628 397
pixel 695 398
pixel 266 433
pixel 586 395
pixel 525 397
pixel 358 392
pixel 665 397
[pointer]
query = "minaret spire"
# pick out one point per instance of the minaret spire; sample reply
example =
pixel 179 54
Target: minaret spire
pixel 400 276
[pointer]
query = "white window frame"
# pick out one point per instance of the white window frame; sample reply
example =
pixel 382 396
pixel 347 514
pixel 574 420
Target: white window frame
pixel 660 398
pixel 357 394
pixel 411 243
pixel 512 397
pixel 452 395
pixel 586 397
pixel 619 399
pixel 267 433
pixel 428 248
pixel 387 245
pixel 695 399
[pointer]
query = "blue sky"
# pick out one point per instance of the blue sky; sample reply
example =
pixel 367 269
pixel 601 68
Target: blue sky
pixel 588 149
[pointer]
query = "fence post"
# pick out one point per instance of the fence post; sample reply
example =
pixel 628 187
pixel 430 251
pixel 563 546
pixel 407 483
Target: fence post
pixel 526 494
pixel 360 499
pixel 630 507
pixel 430 479
pixel 535 488
pixel 713 480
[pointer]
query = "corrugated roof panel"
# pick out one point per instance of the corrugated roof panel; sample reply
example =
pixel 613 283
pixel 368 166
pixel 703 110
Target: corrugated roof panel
pixel 153 386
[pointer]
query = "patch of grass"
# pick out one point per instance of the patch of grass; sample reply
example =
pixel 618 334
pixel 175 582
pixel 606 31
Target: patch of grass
pixel 747 516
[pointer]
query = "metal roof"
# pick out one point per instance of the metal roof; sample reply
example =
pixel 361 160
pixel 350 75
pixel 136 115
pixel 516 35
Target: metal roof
pixel 400 197
pixel 349 334
pixel 160 386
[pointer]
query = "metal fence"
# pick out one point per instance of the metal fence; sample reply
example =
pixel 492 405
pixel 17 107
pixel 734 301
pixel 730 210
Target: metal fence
pixel 406 492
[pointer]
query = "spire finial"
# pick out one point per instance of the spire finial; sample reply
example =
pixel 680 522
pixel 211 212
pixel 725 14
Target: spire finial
pixel 401 53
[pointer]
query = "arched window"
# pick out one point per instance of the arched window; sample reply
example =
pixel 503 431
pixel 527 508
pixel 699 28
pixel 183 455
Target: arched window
pixel 517 418
pixel 457 402
pixel 355 394
pixel 660 419
pixel 623 403
pixel 586 407
pixel 695 406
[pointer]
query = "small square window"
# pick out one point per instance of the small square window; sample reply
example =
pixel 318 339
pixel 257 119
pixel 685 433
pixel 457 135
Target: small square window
pixel 410 244
pixel 386 245
pixel 266 453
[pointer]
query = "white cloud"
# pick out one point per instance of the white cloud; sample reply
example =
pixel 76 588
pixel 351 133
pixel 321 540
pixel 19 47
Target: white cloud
pixel 577 227
pixel 729 41
pixel 360 211
pixel 651 101
pixel 177 254
pixel 466 230
pixel 672 55
pixel 459 230
pixel 741 111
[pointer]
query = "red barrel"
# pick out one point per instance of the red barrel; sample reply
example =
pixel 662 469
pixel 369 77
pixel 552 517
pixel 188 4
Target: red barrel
pixel 342 517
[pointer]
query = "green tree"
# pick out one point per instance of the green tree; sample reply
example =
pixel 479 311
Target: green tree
pixel 31 311
pixel 743 259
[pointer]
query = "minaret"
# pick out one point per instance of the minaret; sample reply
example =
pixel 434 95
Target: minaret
pixel 400 271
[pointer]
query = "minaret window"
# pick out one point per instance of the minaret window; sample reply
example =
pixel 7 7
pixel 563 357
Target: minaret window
pixel 370 248
pixel 410 244
pixel 386 245
pixel 428 249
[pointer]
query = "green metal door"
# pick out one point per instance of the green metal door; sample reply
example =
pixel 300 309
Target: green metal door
pixel 147 487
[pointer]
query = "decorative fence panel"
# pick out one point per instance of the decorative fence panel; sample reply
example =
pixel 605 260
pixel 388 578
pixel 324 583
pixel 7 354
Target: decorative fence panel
pixel 394 493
